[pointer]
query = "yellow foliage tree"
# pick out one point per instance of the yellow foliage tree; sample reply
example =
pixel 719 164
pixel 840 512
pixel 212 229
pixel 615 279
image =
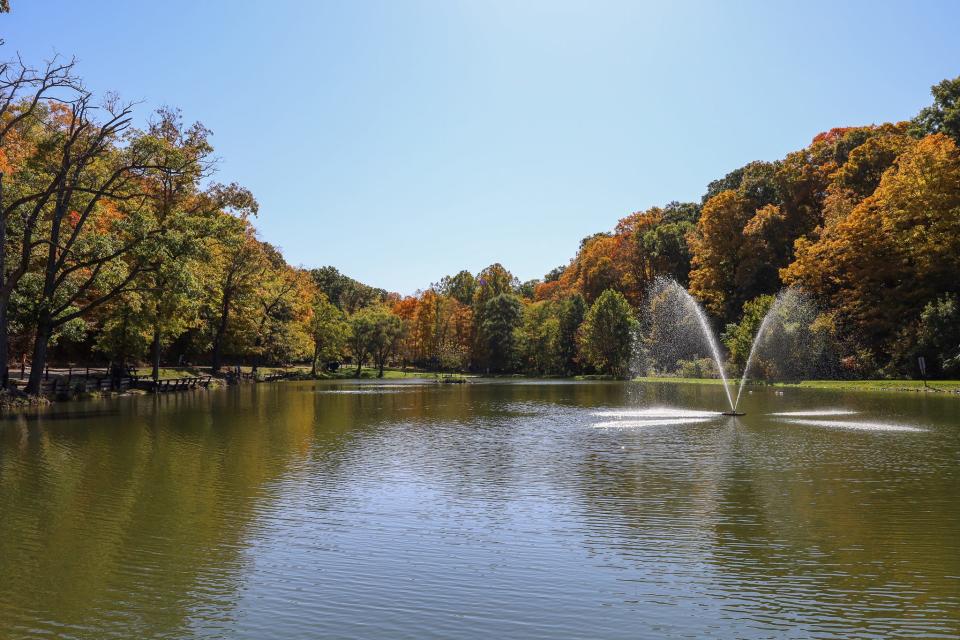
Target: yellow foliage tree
pixel 895 251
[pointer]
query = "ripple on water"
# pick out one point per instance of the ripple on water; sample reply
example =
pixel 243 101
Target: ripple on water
pixel 356 392
pixel 656 413
pixel 860 426
pixel 651 417
pixel 816 412
pixel 627 424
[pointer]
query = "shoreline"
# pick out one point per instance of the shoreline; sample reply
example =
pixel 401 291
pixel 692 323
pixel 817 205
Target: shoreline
pixel 873 386
pixel 13 403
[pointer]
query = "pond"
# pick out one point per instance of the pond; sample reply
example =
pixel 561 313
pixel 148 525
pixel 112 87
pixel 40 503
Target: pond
pixel 527 509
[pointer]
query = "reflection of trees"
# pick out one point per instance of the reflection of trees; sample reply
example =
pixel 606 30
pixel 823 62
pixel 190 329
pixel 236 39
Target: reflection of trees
pixel 148 506
pixel 795 526
pixel 153 504
pixel 848 522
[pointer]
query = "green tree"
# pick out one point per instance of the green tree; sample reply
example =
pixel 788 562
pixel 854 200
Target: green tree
pixel 570 312
pixel 540 339
pixel 943 116
pixel 938 335
pixel 328 331
pixel 374 333
pixel 460 287
pixel 738 337
pixel 606 337
pixel 387 331
pixel 501 317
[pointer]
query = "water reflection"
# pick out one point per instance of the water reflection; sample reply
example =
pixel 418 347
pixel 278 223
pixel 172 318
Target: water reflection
pixel 496 509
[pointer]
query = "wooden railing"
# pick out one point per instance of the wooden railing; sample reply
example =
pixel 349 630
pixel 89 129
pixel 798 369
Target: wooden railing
pixel 80 384
pixel 172 384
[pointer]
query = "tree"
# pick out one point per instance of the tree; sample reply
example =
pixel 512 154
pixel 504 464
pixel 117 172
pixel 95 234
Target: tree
pixel 943 116
pixel 170 286
pixel 24 93
pixel 347 294
pixel 493 281
pixel 606 337
pixel 374 332
pixel 328 330
pixel 237 259
pixel 738 337
pixel 540 343
pixel 500 319
pixel 895 252
pixel 362 327
pixel 938 335
pixel 387 330
pixel 96 230
pixel 282 295
pixel 570 312
pixel 716 247
pixel 460 287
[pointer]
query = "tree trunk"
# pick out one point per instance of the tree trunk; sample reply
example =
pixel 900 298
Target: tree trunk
pixel 40 345
pixel 316 355
pixel 217 355
pixel 359 366
pixel 4 336
pixel 4 344
pixel 155 352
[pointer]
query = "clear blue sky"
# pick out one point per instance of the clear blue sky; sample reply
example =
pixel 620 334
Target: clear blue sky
pixel 401 141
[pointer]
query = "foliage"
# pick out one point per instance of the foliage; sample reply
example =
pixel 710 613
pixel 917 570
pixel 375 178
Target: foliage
pixel 943 116
pixel 738 337
pixel 606 337
pixel 374 333
pixel 116 243
pixel 501 317
pixel 896 252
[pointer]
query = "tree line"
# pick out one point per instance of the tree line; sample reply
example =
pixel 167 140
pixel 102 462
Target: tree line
pixel 117 244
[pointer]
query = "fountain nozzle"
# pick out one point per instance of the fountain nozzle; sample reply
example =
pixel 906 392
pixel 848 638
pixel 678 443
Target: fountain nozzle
pixel 733 413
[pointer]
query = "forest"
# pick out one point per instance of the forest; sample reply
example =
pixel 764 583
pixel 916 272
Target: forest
pixel 118 245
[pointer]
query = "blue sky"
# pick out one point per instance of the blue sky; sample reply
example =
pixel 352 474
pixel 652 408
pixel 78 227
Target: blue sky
pixel 404 140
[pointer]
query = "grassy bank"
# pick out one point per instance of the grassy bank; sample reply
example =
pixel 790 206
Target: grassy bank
pixel 934 386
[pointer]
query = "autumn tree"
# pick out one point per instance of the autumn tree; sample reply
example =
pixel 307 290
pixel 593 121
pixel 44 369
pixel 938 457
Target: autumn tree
pixel 25 98
pixel 895 252
pixel 716 248
pixel 95 227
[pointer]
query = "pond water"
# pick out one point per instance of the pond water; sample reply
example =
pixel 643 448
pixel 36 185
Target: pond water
pixel 496 509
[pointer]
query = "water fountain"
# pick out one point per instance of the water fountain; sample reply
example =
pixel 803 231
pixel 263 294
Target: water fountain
pixel 671 289
pixel 790 307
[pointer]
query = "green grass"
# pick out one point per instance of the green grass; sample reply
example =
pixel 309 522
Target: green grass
pixel 679 380
pixel 952 386
pixel 175 372
pixel 348 372
pixel 878 385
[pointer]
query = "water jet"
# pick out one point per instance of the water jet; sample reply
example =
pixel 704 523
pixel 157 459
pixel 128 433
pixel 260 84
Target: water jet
pixel 678 316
